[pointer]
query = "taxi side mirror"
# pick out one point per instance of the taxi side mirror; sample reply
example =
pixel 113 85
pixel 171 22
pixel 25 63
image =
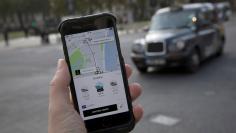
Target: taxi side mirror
pixel 197 26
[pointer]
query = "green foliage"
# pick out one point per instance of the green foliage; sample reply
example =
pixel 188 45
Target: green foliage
pixel 9 7
pixel 82 7
pixel 58 7
pixel 5 8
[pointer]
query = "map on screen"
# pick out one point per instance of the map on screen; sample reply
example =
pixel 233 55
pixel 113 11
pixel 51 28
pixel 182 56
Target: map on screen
pixel 91 53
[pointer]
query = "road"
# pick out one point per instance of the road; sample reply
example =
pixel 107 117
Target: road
pixel 203 102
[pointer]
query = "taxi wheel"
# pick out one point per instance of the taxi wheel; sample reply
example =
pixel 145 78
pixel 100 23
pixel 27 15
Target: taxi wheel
pixel 193 62
pixel 220 51
pixel 142 69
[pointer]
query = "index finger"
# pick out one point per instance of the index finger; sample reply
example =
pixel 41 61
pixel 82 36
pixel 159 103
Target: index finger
pixel 128 70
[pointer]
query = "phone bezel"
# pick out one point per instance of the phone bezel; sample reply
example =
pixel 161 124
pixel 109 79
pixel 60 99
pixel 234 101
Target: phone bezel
pixel 122 121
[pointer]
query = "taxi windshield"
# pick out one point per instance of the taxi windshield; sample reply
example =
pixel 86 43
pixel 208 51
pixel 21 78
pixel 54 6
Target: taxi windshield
pixel 173 20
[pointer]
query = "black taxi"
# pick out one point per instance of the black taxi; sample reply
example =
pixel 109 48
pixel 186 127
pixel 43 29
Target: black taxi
pixel 179 36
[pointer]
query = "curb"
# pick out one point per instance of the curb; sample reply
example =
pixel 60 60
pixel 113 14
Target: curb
pixel 34 41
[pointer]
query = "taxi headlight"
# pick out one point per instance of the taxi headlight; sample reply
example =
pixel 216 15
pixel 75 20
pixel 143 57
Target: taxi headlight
pixel 138 49
pixel 176 46
pixel 180 45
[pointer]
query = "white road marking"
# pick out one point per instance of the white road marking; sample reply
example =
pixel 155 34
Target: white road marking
pixel 165 120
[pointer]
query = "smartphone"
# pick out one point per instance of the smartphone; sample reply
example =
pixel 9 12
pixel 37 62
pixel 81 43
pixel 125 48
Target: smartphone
pixel 99 85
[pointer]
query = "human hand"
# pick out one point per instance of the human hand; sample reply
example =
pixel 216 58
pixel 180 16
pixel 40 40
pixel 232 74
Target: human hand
pixel 62 117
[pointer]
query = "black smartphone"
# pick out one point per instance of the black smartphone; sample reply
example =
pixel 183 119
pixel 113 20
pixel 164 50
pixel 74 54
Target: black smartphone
pixel 99 85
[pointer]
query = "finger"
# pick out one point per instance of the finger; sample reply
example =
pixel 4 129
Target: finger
pixel 59 92
pixel 138 112
pixel 128 70
pixel 135 90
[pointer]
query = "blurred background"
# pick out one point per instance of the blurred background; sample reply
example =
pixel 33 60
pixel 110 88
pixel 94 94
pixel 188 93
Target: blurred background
pixel 199 100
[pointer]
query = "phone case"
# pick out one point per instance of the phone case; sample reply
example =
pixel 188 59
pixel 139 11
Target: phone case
pixel 122 128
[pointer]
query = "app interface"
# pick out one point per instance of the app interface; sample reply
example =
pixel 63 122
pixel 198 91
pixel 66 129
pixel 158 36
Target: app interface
pixel 96 73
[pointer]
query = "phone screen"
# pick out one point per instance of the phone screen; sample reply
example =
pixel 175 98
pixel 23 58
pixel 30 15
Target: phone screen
pixel 96 73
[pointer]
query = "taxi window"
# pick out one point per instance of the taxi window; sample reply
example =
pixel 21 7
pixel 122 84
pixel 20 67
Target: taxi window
pixel 173 20
pixel 205 18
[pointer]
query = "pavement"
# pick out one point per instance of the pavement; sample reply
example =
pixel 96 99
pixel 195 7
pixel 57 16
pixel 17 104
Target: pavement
pixel 55 39
pixel 27 42
pixel 173 100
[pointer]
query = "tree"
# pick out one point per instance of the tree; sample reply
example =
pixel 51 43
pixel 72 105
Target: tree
pixel 5 8
pixel 58 7
pixel 22 9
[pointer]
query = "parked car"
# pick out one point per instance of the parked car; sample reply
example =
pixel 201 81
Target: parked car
pixel 179 36
pixel 224 11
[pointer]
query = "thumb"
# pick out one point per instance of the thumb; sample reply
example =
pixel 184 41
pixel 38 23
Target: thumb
pixel 59 91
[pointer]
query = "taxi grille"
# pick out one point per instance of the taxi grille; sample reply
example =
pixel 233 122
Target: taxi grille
pixel 155 47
